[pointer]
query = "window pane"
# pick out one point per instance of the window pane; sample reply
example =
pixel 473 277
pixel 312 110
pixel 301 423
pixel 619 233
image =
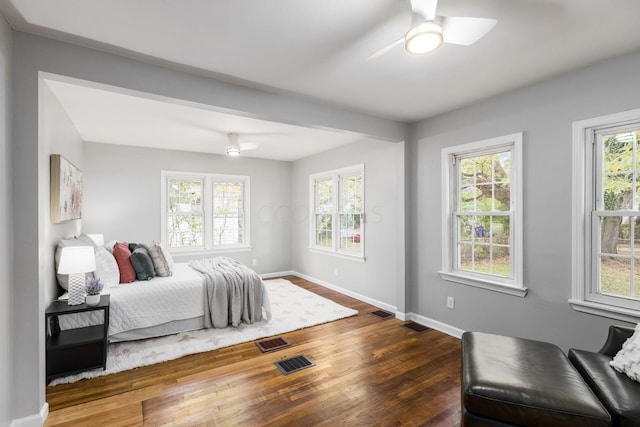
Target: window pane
pixel 324 196
pixel 350 232
pixel 184 230
pixel 615 276
pixel 351 196
pixel 228 214
pixel 465 228
pixel 323 231
pixel 184 212
pixel 485 183
pixel 500 229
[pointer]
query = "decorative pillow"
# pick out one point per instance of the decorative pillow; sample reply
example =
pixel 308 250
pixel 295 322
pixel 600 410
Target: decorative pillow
pixel 627 361
pixel 162 260
pixel 122 254
pixel 106 268
pixel 63 279
pixel 109 245
pixel 142 263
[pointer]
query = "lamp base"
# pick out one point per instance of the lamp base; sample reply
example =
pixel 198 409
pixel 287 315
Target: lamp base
pixel 76 289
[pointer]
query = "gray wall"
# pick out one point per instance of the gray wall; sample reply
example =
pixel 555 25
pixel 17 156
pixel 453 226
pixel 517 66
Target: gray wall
pixel 544 113
pixel 30 178
pixel 381 277
pixel 6 233
pixel 58 136
pixel 122 197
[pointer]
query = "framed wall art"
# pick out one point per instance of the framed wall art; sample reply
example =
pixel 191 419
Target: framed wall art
pixel 66 190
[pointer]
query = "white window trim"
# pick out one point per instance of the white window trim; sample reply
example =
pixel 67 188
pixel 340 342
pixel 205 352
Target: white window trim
pixel 207 201
pixel 508 286
pixel 581 298
pixel 335 250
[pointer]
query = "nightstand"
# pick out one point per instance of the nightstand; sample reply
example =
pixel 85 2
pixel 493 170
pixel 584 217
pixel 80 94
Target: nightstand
pixel 75 350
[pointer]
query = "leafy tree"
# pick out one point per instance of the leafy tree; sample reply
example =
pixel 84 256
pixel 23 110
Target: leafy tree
pixel 617 188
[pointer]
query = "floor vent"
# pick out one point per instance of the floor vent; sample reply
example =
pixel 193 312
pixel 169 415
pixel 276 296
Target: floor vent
pixel 415 327
pixel 384 315
pixel 273 344
pixel 294 364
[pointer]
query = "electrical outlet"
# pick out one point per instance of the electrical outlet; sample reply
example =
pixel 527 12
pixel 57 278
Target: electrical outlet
pixel 451 301
pixel 254 262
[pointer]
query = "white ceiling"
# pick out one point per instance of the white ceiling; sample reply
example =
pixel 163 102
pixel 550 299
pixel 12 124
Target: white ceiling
pixel 114 116
pixel 319 49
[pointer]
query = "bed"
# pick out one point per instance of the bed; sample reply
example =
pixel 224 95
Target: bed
pixel 205 293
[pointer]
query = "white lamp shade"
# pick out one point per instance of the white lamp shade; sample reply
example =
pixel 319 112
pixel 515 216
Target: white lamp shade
pixel 77 259
pixel 97 238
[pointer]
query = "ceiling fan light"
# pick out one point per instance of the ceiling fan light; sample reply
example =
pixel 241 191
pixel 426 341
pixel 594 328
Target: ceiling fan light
pixel 423 38
pixel 233 151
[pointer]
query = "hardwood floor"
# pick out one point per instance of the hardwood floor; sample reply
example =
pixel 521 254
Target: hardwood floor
pixel 368 372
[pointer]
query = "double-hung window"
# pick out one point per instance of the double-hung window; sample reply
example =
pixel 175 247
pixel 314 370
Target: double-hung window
pixel 337 222
pixel 203 212
pixel 482 214
pixel 607 216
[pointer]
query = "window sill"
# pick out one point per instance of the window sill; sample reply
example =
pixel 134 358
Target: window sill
pixel 606 310
pixel 483 283
pixel 357 258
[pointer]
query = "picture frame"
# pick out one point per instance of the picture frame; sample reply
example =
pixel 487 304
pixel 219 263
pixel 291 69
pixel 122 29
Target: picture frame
pixel 66 190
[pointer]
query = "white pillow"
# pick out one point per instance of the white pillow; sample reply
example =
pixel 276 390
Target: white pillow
pixel 162 260
pixel 106 268
pixel 627 361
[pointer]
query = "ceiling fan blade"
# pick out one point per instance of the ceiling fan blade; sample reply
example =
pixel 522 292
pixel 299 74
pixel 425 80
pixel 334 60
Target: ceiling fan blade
pixel 425 8
pixel 248 146
pixel 385 49
pixel 465 31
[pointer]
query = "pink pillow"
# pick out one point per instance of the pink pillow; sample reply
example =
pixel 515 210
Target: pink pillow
pixel 122 253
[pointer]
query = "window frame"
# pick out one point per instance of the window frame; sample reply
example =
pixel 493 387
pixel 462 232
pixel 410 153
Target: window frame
pixel 585 247
pixel 513 285
pixel 335 176
pixel 209 245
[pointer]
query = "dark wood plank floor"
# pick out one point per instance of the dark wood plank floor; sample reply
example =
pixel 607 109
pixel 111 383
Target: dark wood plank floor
pixel 368 372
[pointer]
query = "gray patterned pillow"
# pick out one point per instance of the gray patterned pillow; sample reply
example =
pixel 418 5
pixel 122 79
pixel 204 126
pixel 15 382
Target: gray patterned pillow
pixel 162 260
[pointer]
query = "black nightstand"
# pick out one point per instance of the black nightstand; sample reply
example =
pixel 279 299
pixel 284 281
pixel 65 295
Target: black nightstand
pixel 75 350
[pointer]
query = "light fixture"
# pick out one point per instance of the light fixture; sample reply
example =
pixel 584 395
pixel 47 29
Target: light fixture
pixel 76 261
pixel 423 38
pixel 233 149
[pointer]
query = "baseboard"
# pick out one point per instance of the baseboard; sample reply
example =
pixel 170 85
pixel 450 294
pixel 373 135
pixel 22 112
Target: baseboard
pixel 379 304
pixel 36 420
pixel 435 324
pixel 277 274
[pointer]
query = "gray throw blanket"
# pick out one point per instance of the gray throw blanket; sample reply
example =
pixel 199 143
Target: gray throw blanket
pixel 233 293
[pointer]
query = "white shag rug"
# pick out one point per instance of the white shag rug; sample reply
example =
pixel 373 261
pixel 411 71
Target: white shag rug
pixel 292 308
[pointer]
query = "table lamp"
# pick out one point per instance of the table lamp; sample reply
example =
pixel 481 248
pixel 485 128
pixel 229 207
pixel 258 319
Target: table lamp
pixel 76 261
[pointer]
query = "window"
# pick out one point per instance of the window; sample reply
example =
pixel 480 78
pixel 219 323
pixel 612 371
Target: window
pixel 204 211
pixel 606 278
pixel 482 214
pixel 337 223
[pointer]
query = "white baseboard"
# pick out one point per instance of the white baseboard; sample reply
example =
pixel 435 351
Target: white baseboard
pixel 379 304
pixel 36 420
pixel 277 274
pixel 435 324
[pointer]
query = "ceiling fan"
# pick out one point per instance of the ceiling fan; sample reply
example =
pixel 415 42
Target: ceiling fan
pixel 428 31
pixel 234 148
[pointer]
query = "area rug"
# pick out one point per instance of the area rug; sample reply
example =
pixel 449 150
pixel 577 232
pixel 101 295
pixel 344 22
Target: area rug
pixel 292 308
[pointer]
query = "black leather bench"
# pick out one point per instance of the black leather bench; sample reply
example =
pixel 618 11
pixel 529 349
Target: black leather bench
pixel 617 392
pixel 510 381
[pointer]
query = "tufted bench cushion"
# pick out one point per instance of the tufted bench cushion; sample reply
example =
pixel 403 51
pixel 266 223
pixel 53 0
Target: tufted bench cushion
pixel 515 381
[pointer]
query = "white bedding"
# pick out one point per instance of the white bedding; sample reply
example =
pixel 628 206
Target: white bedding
pixel 143 304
